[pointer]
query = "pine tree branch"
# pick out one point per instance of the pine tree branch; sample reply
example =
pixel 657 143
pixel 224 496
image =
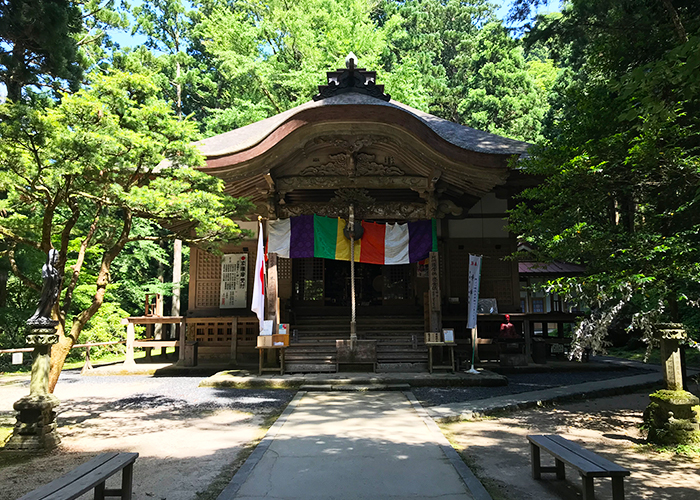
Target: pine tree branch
pixel 15 270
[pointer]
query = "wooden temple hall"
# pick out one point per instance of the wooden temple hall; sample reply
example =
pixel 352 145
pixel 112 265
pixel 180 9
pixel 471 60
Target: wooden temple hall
pixel 352 148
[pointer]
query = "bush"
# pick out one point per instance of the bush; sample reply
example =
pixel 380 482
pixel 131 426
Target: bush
pixel 13 330
pixel 104 326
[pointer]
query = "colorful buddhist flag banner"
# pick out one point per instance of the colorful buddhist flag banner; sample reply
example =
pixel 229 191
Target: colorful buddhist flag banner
pixel 317 236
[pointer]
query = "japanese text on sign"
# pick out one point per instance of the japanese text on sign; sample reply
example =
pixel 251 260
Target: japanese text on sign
pixel 234 280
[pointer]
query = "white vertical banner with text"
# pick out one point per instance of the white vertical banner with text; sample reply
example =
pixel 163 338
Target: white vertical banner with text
pixel 473 289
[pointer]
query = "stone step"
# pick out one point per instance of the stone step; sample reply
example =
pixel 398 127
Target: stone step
pixel 402 367
pixel 309 367
pixel 355 387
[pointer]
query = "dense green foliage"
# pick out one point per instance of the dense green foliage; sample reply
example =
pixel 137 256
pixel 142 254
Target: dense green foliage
pixel 236 62
pixel 36 44
pixel 621 164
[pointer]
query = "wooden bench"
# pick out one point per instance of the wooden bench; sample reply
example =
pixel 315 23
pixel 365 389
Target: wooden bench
pixel 92 474
pixel 586 462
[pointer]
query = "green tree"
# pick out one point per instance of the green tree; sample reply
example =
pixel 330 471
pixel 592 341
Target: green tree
pixel 37 44
pixel 498 94
pixel 165 23
pixel 621 168
pixel 466 64
pixel 263 58
pixel 81 174
pixel 432 35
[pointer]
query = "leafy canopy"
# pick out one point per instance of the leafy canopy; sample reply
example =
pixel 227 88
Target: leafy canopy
pixel 621 165
pixel 85 174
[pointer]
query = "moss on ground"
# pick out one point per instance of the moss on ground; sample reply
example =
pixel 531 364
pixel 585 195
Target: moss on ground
pixel 681 450
pixel 5 433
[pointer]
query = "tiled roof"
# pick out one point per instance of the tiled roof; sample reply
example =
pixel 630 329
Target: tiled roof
pixel 462 136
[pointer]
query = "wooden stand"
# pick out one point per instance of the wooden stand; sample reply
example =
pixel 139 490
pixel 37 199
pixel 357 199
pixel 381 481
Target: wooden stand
pixel 263 355
pixel 451 352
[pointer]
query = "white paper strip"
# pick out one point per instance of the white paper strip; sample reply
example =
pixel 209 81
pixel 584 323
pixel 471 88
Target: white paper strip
pixel 279 237
pixel 396 244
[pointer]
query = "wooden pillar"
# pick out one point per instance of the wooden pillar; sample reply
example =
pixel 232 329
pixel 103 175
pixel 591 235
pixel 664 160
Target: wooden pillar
pixel 434 293
pixel 234 339
pixel 272 305
pixel 183 339
pixel 150 332
pixel 130 337
pixel 528 340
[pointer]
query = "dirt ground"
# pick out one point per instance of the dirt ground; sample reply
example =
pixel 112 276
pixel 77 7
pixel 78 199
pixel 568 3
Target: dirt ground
pixel 191 452
pixel 497 450
pixel 183 453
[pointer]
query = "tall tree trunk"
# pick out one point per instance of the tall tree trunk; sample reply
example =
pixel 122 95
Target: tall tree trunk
pixel 3 287
pixel 158 328
pixel 177 277
pixel 66 342
pixel 677 24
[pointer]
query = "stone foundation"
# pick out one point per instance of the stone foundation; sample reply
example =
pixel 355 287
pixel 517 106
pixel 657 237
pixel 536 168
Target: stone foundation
pixel 673 418
pixel 35 429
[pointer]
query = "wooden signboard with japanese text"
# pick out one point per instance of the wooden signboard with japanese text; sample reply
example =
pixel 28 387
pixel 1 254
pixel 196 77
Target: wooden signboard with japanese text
pixel 234 280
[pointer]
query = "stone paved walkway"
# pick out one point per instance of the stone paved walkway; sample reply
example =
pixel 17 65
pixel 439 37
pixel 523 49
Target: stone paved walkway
pixel 332 445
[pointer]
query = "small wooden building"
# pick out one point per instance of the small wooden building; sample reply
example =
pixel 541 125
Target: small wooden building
pixel 352 144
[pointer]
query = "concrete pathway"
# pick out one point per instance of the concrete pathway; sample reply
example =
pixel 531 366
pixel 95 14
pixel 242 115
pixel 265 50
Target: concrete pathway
pixel 339 445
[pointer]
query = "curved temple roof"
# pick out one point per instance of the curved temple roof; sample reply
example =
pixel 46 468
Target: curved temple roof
pixel 464 137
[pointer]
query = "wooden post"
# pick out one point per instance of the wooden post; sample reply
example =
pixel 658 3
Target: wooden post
pixel 149 334
pixel 234 339
pixel 183 339
pixel 434 294
pixel 528 340
pixel 130 337
pixel 272 289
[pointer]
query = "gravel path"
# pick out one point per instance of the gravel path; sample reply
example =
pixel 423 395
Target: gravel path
pixel 137 392
pixel 189 439
pixel 517 383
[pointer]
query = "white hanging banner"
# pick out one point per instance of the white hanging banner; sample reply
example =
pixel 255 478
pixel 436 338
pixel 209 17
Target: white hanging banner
pixel 473 289
pixel 234 280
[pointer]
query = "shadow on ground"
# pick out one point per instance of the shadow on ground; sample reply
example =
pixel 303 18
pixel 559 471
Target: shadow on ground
pixel 499 452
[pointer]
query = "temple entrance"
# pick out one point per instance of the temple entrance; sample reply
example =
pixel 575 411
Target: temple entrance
pixel 324 282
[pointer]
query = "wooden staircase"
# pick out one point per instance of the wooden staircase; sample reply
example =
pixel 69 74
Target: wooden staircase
pixel 400 342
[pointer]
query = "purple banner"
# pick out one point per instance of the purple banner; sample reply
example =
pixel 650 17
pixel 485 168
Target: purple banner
pixel 301 239
pixel 420 240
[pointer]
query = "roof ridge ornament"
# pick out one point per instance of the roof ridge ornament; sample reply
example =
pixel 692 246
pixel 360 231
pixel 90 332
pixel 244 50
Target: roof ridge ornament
pixel 351 79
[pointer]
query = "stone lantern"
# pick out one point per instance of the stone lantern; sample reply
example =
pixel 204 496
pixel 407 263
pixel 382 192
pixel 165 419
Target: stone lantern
pixel 35 429
pixel 673 416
